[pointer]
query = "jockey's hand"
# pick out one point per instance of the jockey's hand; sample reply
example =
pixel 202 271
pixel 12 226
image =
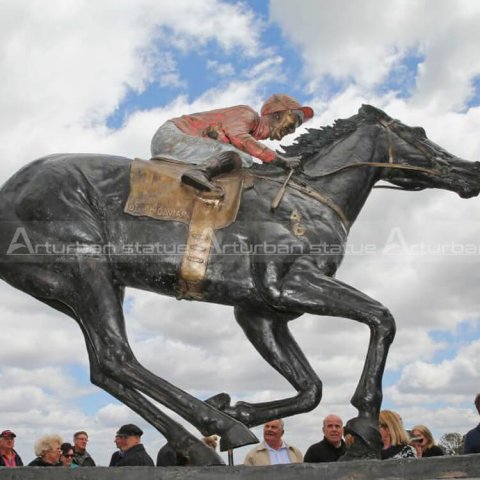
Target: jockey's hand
pixel 287 163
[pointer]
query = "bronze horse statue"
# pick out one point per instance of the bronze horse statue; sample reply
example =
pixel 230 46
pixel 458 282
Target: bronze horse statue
pixel 58 212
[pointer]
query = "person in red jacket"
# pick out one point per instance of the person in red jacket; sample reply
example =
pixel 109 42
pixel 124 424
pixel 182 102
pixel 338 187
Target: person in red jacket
pixel 8 456
pixel 218 141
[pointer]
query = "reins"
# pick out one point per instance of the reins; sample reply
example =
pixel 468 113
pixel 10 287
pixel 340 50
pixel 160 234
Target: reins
pixel 322 198
pixel 309 192
pixel 380 165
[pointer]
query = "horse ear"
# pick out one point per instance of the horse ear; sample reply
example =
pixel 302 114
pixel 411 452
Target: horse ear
pixel 369 111
pixel 366 109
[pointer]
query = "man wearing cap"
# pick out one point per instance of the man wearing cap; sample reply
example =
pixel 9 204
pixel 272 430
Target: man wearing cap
pixel 222 140
pixel 8 456
pixel 132 450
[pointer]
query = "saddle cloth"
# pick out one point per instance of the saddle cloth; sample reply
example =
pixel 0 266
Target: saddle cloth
pixel 157 192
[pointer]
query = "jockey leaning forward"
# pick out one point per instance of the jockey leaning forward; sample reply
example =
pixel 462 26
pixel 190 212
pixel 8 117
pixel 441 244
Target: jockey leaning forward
pixel 219 141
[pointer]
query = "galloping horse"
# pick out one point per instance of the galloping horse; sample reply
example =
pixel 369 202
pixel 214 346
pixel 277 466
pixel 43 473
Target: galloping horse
pixel 58 213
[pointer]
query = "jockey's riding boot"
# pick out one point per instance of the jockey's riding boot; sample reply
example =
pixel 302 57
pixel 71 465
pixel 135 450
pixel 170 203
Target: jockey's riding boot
pixel 200 177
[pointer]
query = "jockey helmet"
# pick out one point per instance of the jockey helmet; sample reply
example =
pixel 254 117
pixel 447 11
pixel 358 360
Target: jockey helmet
pixel 280 102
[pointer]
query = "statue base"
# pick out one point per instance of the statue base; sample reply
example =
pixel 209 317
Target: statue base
pixel 466 467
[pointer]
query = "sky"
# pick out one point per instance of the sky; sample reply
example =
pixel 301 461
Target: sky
pixel 78 76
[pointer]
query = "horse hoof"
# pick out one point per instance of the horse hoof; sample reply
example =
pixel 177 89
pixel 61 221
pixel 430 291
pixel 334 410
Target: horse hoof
pixel 367 442
pixel 237 436
pixel 359 451
pixel 220 401
pixel 202 455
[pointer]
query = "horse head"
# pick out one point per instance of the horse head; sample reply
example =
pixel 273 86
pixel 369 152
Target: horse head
pixel 416 163
pixel 403 155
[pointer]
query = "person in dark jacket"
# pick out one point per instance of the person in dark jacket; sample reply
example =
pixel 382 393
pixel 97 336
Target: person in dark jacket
pixel 395 439
pixel 332 447
pixel 81 457
pixel 8 456
pixel 47 450
pixel 120 444
pixel 424 443
pixel 133 452
pixel 472 438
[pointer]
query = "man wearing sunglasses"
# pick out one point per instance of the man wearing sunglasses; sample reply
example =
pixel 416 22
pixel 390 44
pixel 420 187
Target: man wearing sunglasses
pixel 219 141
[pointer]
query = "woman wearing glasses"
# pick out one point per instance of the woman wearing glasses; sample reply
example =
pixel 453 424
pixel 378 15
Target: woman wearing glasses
pixel 66 458
pixel 394 437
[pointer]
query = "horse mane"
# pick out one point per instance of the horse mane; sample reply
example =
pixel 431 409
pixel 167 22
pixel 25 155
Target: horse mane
pixel 315 139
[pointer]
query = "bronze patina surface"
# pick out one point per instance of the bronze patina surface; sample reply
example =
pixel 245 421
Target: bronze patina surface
pixel 270 266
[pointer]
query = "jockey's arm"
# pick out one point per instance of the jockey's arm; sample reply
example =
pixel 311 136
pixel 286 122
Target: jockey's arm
pixel 238 127
pixel 248 144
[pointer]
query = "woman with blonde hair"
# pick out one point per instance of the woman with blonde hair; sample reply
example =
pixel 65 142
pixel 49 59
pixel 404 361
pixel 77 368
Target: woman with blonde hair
pixel 394 437
pixel 424 443
pixel 48 451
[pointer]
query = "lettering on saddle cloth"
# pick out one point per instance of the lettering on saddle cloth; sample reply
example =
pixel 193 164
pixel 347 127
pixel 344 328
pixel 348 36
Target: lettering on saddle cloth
pixel 157 192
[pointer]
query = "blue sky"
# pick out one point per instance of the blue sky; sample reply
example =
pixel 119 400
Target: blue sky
pixel 106 85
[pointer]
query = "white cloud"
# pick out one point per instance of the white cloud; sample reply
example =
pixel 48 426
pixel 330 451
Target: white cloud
pixel 66 75
pixel 222 69
pixel 455 375
pixel 362 41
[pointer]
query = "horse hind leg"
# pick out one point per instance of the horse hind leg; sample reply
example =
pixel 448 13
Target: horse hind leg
pixel 100 315
pixel 56 289
pixel 179 438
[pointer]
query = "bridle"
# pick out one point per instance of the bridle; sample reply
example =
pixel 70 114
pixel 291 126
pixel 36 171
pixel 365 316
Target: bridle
pixel 437 170
pixel 392 164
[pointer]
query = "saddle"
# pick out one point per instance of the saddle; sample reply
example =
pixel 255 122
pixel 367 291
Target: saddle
pixel 156 191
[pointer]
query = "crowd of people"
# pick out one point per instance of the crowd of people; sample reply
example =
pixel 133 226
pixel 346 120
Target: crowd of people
pixel 418 442
pixel 52 451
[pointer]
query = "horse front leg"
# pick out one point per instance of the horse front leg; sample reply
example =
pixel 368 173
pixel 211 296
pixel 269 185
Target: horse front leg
pixel 268 332
pixel 308 289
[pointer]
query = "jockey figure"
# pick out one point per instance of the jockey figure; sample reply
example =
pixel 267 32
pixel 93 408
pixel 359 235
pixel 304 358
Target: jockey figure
pixel 222 140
